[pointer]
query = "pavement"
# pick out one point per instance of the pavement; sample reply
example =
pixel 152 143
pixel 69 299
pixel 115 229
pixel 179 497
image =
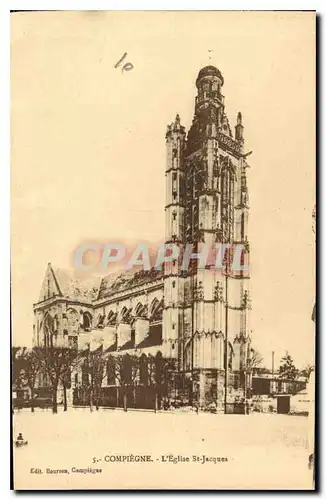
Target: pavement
pixel 186 450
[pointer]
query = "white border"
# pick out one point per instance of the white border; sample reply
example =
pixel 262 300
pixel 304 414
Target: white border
pixel 165 5
pixel 5 7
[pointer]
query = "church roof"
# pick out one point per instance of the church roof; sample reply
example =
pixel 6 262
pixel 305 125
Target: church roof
pixel 76 285
pixel 69 283
pixel 209 71
pixel 114 283
pixel 81 286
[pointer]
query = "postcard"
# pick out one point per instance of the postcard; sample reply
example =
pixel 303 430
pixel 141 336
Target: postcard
pixel 163 250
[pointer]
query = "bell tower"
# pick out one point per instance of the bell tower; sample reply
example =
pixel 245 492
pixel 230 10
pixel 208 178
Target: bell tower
pixel 174 175
pixel 174 234
pixel 206 310
pixel 216 318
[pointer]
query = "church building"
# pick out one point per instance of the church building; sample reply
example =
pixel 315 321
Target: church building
pixel 198 319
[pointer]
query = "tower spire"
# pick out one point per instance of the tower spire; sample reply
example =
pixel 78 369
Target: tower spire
pixel 177 122
pixel 239 129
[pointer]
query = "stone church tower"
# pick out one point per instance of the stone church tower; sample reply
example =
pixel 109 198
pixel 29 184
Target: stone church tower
pixel 206 310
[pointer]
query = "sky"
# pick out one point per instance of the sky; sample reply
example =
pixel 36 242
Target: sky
pixel 88 145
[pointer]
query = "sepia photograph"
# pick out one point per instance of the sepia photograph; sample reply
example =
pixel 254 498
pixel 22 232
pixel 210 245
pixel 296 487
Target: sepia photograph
pixel 163 250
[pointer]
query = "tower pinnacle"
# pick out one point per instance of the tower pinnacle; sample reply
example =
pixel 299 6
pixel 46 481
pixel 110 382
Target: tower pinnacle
pixel 239 129
pixel 177 122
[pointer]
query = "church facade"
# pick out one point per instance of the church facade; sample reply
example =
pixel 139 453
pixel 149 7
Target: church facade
pixel 198 318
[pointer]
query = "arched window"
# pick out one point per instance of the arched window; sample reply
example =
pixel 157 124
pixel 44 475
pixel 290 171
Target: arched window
pixel 126 315
pixel 155 321
pixel 123 312
pixel 153 306
pixel 206 87
pixel 55 323
pixel 72 321
pixel 100 321
pixel 139 311
pixel 111 318
pixel 87 321
pixel 156 310
pixel 48 330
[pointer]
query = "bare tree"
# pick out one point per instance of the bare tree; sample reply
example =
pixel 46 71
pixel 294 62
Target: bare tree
pixel 70 360
pixel 97 373
pixel 126 371
pixel 17 355
pixel 57 362
pixel 255 361
pixel 151 370
pixel 160 374
pixel 306 372
pixel 168 372
pixel 27 365
pixel 33 366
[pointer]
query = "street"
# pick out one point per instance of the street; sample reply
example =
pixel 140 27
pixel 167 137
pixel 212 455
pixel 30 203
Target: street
pixel 254 451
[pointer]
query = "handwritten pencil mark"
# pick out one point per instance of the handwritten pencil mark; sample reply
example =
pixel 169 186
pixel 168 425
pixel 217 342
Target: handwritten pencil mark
pixel 126 67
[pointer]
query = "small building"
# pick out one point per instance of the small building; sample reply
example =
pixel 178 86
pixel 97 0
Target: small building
pixel 272 384
pixel 301 402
